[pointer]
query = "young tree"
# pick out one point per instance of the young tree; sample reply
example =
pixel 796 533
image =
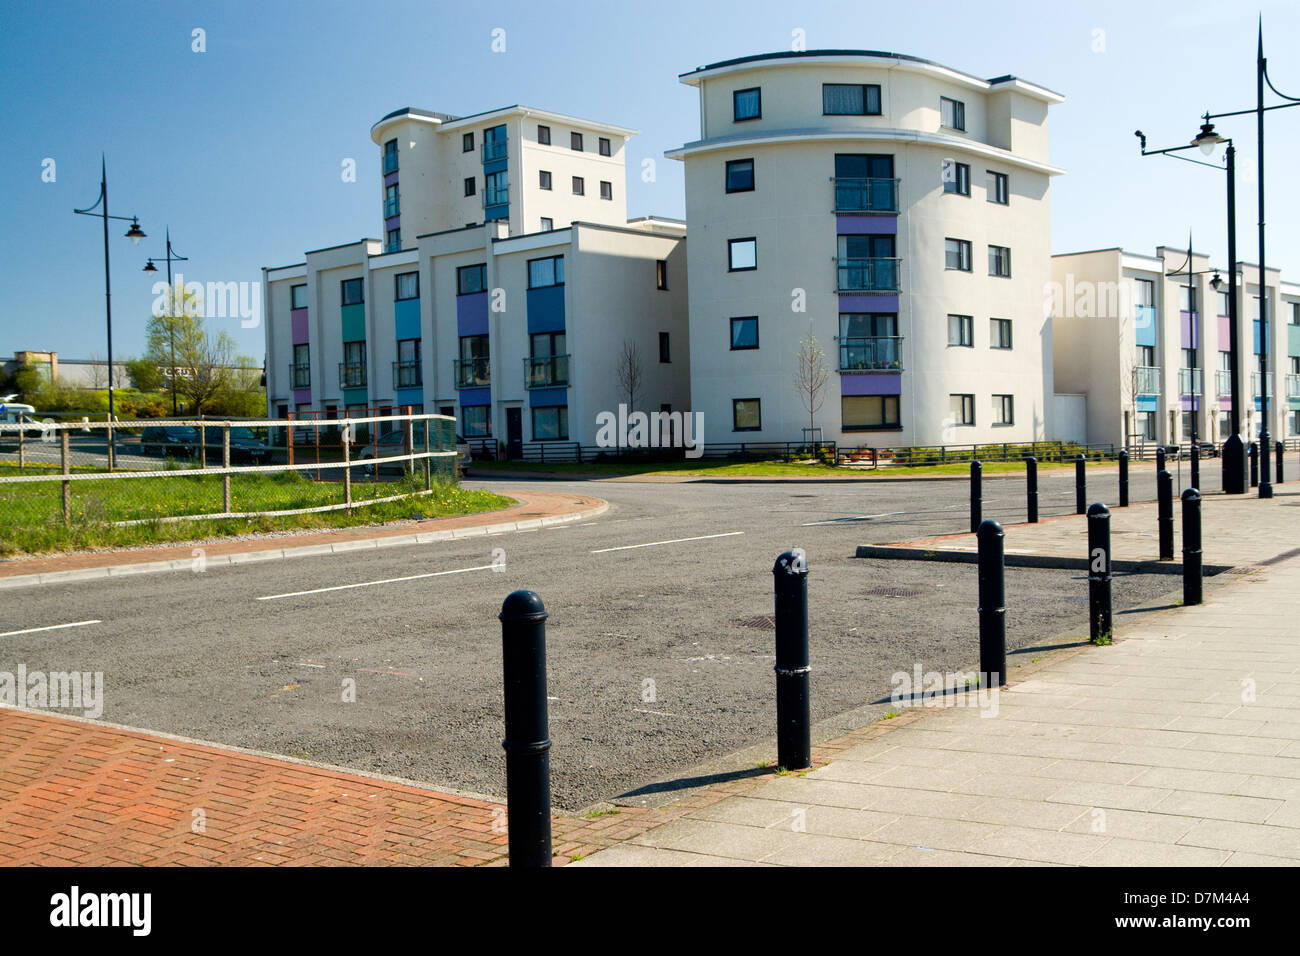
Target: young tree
pixel 98 371
pixel 144 374
pixel 630 372
pixel 810 376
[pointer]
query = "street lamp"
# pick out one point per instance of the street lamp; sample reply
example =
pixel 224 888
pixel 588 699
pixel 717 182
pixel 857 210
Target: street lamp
pixel 135 234
pixel 1233 458
pixel 171 309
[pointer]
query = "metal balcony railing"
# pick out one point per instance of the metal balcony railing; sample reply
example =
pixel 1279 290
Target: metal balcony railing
pixel 1190 381
pixel 1223 381
pixel 494 150
pixel 866 195
pixel 879 353
pixel 472 372
pixel 300 375
pixel 1293 386
pixel 496 196
pixel 407 375
pixel 1146 380
pixel 545 371
pixel 352 374
pixel 392 206
pixel 867 275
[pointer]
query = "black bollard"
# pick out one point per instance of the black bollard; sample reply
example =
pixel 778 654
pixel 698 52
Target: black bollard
pixel 1099 616
pixel 1196 465
pixel 1254 465
pixel 1160 458
pixel 1165 512
pixel 1080 486
pixel 1191 546
pixel 1281 453
pixel 793 697
pixel 976 495
pixel 1123 479
pixel 1031 487
pixel 992 606
pixel 527 743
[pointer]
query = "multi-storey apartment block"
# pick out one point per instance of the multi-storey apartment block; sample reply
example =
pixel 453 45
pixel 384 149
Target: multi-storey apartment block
pixel 894 209
pixel 504 292
pixel 1152 356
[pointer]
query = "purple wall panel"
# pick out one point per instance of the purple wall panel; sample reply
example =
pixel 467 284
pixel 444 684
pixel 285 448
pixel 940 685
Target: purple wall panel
pixel 302 396
pixel 390 179
pixel 871 384
pixel 472 314
pixel 298 321
pixel 1225 332
pixel 868 303
pixel 392 222
pixel 866 225
pixel 1188 331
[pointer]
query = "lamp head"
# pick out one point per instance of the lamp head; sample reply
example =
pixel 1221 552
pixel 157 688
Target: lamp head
pixel 1142 138
pixel 149 266
pixel 1207 139
pixel 1217 281
pixel 135 233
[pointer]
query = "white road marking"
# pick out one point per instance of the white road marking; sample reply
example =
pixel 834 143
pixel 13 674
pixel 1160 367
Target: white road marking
pixel 52 627
pixel 651 544
pixel 367 584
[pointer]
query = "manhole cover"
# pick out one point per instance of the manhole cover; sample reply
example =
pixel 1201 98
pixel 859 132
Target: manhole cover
pixel 763 623
pixel 895 590
pixel 1245 569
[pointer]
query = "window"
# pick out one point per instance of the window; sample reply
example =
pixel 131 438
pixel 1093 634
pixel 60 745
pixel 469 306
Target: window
pixel 467 143
pixel 1004 410
pixel 664 354
pixel 545 272
pixel 957 254
pixel 393 241
pixel 494 143
pixel 1187 300
pixel 475 422
pixel 302 366
pixel 471 279
pixel 602 145
pixel 352 372
pixel 661 274
pixel 547 224
pixel 742 255
pixel 740 175
pixel 353 293
pixel 961 330
pixel 544 179
pixel 298 297
pixel 863 412
pixel 551 424
pixel 579 187
pixel 956 177
pixel 746 415
pixel 999 333
pixel 997 188
pixel 496 189
pixel 869 340
pixel 474 367
pixel 406 371
pixel 1189 358
pixel 546 344
pixel 473 347
pixel 1145 290
pixel 1146 356
pixel 1224 305
pixel 548 363
pixel 354 353
pixel 575 141
pixel 408 350
pixel 864 182
pixel 408 285
pixel 1295 313
pixel 471 185
pixel 1000 261
pixel 744 333
pixel 846 99
pixel 606 190
pixel 746 104
pixel 391 205
pixel 962 409
pixel 544 135
pixel 1146 426
pixel 390 157
pixel 952 114
pixel 866 263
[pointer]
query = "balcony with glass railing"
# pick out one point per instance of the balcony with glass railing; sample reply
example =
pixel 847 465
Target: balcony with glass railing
pixel 392 207
pixel 877 353
pixel 407 375
pixel 545 371
pixel 1190 381
pixel 1146 380
pixel 494 150
pixel 1293 386
pixel 866 195
pixel 472 372
pixel 496 195
pixel 352 374
pixel 1223 382
pixel 867 275
pixel 300 375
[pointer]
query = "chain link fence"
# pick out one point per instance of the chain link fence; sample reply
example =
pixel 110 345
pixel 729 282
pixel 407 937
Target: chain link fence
pixel 80 471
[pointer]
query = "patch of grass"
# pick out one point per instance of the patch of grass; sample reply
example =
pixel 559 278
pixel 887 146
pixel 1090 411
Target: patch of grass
pixel 782 772
pixel 595 814
pixel 889 715
pixel 1103 640
pixel 764 764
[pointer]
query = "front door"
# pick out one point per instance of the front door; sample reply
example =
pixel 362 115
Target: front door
pixel 514 433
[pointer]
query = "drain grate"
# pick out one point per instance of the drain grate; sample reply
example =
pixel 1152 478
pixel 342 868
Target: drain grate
pixel 763 623
pixel 1244 569
pixel 895 590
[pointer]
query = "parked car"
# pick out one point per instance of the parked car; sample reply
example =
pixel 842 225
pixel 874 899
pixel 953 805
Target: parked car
pixel 394 443
pixel 245 447
pixel 1209 449
pixel 174 440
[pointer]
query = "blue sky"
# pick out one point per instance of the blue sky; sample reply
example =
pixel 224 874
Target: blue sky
pixel 239 148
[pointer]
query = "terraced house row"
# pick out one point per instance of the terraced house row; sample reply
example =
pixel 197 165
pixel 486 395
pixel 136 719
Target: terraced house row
pixel 895 209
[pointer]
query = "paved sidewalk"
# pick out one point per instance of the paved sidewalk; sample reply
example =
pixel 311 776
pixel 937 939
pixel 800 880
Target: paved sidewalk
pixel 1178 745
pixel 535 509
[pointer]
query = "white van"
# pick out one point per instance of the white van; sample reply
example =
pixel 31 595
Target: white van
pixel 11 413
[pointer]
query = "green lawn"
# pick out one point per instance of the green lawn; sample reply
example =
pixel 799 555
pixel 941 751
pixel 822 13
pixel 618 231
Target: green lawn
pixel 31 515
pixel 749 469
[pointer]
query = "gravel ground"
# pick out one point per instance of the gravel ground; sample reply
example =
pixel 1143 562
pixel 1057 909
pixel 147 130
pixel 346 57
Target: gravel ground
pixel 198 655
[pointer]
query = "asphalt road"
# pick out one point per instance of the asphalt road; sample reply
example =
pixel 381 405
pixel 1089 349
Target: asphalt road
pixel 650 675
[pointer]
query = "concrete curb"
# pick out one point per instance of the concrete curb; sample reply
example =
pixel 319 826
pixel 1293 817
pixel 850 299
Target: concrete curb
pixel 305 551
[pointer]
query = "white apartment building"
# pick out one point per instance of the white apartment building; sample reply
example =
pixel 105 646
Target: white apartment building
pixel 893 208
pixel 1152 356
pixel 506 287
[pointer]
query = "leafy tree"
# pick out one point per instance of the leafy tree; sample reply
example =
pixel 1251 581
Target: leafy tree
pixel 145 375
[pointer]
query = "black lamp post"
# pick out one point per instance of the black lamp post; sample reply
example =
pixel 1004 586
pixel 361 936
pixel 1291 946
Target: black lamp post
pixel 1234 449
pixel 171 310
pixel 135 234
